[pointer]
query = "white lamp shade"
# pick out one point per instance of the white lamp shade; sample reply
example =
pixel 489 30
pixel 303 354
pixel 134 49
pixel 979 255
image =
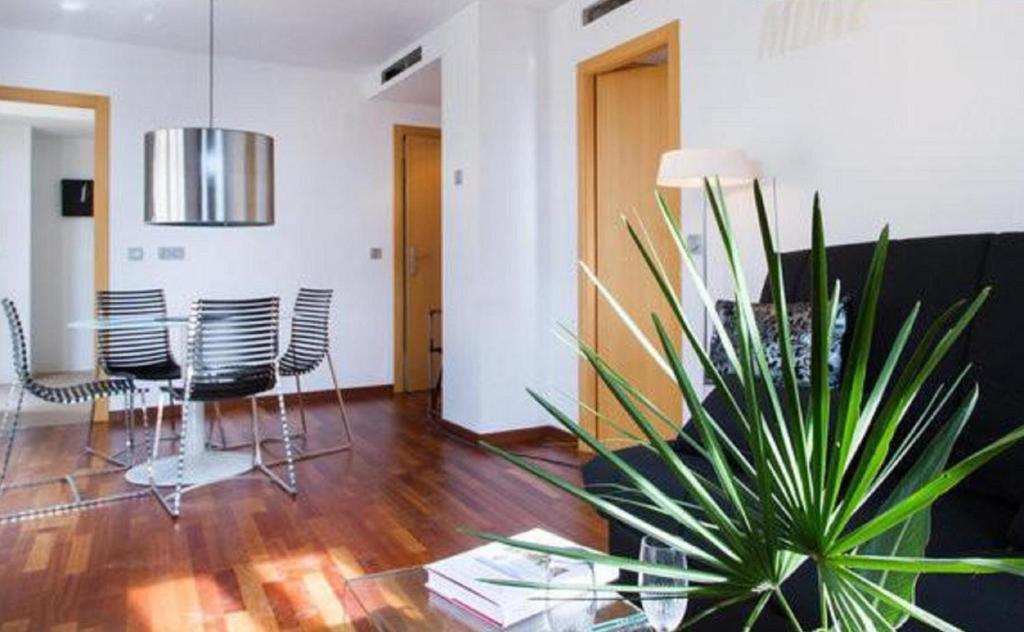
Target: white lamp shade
pixel 687 168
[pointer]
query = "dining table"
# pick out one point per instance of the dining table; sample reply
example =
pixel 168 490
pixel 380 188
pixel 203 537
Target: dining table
pixel 202 465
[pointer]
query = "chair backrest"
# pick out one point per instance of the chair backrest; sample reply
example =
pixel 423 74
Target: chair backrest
pixel 19 347
pixel 231 336
pixel 310 325
pixel 135 347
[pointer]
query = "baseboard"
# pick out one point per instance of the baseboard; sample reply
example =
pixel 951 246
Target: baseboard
pixel 290 399
pixel 534 434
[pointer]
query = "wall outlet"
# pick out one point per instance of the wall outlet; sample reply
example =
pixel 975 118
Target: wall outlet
pixel 376 253
pixel 171 253
pixel 458 177
pixel 136 254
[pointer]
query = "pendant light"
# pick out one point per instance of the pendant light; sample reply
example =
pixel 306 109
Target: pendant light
pixel 209 176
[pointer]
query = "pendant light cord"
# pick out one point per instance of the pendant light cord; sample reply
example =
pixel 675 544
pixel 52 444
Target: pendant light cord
pixel 211 64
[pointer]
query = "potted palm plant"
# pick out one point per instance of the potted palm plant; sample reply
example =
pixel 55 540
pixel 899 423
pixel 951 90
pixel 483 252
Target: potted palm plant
pixel 787 494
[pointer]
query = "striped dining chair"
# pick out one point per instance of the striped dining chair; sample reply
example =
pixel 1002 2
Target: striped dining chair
pixel 307 349
pixel 232 355
pixel 139 354
pixel 66 395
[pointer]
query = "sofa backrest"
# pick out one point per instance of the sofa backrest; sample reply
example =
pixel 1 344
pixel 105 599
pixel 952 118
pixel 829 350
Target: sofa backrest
pixel 938 271
pixel 996 348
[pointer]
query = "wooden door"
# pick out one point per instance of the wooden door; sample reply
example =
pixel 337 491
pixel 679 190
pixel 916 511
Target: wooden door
pixel 422 254
pixel 632 130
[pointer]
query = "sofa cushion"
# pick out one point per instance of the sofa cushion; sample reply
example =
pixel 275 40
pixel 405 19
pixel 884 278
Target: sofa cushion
pixel 938 271
pixel 767 322
pixel 996 348
pixel 600 476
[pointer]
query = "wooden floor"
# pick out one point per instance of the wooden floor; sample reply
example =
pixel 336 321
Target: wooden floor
pixel 244 556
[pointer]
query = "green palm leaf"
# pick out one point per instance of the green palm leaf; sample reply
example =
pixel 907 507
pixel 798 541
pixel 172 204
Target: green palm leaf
pixel 785 494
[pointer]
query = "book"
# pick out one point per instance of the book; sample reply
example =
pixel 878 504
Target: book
pixel 459 579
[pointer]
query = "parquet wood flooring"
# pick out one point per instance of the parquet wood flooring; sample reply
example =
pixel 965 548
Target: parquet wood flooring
pixel 246 557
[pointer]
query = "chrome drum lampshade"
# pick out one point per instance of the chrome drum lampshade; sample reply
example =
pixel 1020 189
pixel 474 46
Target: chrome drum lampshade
pixel 209 176
pixel 200 176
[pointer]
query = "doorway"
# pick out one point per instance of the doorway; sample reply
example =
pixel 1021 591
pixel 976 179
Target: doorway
pixel 418 245
pixel 55 248
pixel 629 115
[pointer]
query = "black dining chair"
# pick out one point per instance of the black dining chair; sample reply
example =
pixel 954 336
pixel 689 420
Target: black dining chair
pixel 307 349
pixel 232 354
pixel 140 354
pixel 65 394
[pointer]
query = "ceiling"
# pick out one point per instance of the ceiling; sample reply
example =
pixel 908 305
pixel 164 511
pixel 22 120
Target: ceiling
pixel 52 119
pixel 350 35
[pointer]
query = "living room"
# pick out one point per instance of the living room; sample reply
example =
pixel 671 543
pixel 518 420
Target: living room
pixel 425 208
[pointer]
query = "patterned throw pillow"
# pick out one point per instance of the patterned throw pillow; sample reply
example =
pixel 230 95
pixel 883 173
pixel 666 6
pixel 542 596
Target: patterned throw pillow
pixel 800 333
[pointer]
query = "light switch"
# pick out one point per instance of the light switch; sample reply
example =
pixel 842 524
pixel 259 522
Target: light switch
pixel 376 253
pixel 695 244
pixel 171 253
pixel 136 254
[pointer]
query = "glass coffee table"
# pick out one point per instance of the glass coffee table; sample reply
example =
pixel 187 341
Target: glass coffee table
pixel 398 601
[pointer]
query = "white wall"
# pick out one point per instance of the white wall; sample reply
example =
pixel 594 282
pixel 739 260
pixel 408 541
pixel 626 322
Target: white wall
pixel 333 181
pixel 15 231
pixel 898 111
pixel 491 56
pixel 62 256
pixel 512 56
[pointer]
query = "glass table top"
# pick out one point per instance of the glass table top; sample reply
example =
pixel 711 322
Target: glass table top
pixel 398 601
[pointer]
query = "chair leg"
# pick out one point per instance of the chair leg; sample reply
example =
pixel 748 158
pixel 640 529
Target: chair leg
pixel 179 483
pixel 286 435
pixel 254 414
pixel 302 405
pixel 146 441
pixel 174 422
pixel 129 442
pixel 304 454
pixel 217 425
pixel 9 434
pixel 92 424
pixel 341 404
pixel 156 453
pixel 219 418
pixel 89 450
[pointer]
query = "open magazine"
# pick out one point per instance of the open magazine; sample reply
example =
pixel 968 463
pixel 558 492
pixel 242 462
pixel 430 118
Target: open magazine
pixel 458 579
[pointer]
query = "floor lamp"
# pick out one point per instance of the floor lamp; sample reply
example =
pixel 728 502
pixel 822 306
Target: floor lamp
pixel 687 169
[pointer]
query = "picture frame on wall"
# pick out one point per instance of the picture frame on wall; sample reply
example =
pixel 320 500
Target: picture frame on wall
pixel 76 198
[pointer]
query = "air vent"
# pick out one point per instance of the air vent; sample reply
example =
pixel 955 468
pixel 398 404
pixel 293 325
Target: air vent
pixel 600 9
pixel 402 65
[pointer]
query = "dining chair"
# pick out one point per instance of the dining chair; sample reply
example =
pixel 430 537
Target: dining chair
pixel 232 354
pixel 139 354
pixel 64 394
pixel 308 347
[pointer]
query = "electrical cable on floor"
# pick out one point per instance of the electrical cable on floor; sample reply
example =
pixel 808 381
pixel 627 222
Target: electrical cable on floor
pixel 436 419
pixel 434 398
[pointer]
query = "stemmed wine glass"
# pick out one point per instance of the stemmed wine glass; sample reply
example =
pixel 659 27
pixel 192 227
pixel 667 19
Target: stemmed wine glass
pixel 664 611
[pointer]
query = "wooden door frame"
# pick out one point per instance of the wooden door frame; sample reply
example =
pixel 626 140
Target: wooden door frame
pixel 623 55
pixel 400 132
pixel 100 106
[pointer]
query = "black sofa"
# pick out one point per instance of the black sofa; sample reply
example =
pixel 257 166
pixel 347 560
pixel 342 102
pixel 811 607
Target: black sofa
pixel 984 515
